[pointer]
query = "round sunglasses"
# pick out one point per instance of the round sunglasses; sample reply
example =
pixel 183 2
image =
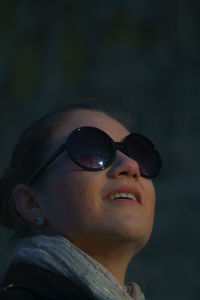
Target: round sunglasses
pixel 92 149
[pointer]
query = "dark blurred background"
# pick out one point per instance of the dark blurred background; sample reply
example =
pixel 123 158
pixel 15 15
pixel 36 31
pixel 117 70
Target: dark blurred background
pixel 144 54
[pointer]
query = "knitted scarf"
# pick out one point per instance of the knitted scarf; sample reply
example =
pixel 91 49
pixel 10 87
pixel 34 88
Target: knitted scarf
pixel 57 254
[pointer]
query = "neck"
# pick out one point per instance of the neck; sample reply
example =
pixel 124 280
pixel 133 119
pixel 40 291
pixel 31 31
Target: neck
pixel 114 258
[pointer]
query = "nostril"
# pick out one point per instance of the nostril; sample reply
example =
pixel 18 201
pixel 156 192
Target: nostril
pixel 123 173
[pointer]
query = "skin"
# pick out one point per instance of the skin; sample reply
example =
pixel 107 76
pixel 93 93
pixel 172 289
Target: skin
pixel 72 200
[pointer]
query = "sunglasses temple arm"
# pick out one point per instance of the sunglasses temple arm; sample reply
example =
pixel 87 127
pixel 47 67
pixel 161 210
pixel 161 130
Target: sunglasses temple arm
pixel 45 164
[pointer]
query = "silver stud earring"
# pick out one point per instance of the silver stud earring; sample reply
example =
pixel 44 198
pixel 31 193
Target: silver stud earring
pixel 39 221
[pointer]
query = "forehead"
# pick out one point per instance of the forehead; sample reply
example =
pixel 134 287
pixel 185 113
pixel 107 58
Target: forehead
pixel 97 119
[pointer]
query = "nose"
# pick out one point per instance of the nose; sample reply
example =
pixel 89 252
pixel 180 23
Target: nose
pixel 124 166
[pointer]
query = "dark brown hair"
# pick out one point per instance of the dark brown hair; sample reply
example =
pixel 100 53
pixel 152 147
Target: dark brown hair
pixel 31 150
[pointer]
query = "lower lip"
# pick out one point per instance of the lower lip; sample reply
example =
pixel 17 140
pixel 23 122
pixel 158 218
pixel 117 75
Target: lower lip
pixel 125 200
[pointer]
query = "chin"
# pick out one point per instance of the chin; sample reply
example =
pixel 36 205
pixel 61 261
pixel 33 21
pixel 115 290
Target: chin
pixel 137 237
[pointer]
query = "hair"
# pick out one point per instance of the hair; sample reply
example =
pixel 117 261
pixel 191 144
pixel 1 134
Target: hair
pixel 30 151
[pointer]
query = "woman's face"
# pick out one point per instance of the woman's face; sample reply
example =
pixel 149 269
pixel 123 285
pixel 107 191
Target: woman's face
pixel 74 200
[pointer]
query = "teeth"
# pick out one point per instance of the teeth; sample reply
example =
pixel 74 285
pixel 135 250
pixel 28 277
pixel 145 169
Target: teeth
pixel 132 196
pixel 122 195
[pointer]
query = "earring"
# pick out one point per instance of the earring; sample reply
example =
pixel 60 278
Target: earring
pixel 39 221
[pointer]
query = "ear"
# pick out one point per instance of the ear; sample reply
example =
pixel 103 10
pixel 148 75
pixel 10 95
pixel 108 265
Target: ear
pixel 26 202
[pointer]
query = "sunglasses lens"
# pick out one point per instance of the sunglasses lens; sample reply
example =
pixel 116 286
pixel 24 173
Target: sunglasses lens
pixel 143 151
pixel 90 148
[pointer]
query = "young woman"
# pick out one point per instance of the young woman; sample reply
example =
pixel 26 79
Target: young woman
pixel 79 195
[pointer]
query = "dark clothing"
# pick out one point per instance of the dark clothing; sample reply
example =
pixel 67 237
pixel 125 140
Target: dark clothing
pixel 31 282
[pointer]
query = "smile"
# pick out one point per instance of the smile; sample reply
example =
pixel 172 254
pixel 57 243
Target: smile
pixel 122 195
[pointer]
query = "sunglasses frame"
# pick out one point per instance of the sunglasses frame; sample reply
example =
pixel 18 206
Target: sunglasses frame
pixel 121 146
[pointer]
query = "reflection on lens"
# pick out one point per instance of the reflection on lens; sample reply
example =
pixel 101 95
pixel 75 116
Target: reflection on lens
pixel 100 163
pixel 90 148
pixel 90 160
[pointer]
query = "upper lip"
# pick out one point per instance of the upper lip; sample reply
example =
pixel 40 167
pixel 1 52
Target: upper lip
pixel 125 189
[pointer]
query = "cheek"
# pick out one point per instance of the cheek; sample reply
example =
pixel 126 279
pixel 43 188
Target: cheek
pixel 150 198
pixel 72 198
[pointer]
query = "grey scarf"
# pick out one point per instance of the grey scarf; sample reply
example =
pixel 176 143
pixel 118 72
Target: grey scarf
pixel 57 254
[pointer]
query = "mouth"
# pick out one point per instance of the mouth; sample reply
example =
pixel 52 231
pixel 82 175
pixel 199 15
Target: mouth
pixel 125 195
